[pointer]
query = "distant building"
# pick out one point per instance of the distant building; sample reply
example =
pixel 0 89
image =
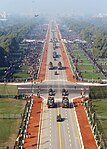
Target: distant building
pixel 3 16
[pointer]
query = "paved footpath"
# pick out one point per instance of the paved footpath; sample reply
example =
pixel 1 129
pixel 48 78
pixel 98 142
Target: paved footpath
pixel 87 136
pixel 33 126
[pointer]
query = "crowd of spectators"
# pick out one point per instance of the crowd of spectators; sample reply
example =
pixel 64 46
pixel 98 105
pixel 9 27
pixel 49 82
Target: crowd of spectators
pixel 30 55
pixel 71 37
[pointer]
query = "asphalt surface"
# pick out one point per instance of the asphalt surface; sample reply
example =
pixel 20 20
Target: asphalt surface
pixel 59 135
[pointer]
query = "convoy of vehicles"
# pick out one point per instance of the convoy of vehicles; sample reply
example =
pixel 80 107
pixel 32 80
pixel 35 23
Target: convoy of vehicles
pixel 51 102
pixel 51 67
pixel 51 92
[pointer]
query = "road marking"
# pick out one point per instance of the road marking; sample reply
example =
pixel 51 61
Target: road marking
pixel 68 131
pixel 59 132
pixel 42 126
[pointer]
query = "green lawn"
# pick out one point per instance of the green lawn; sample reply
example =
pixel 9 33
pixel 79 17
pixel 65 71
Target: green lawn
pixel 9 127
pixel 85 60
pixel 3 68
pixel 100 107
pixel 86 67
pixel 11 106
pixel 89 70
pixel 21 74
pixel 6 89
pixel 104 67
pixel 91 75
pixel 25 67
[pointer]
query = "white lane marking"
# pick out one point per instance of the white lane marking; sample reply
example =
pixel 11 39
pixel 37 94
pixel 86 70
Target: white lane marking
pixel 68 131
pixel 67 122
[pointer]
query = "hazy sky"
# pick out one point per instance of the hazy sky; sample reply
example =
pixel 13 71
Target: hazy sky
pixel 85 7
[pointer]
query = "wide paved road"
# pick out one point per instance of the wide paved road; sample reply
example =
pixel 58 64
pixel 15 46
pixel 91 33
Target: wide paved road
pixel 58 135
pixel 50 76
